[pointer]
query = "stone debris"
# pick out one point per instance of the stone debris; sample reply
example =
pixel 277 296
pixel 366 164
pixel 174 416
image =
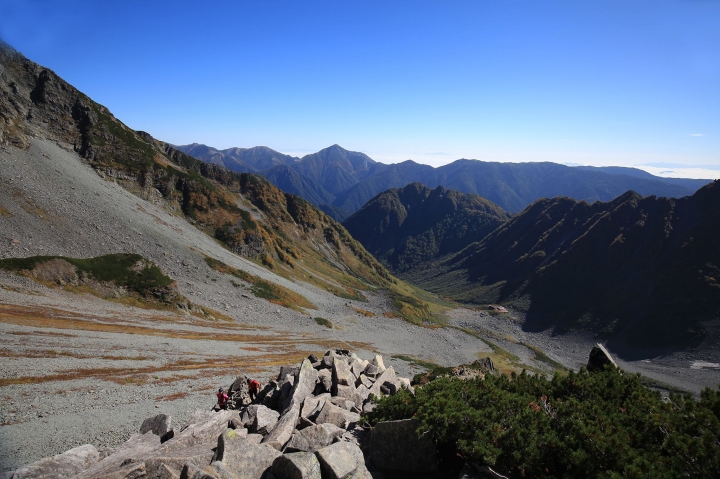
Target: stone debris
pixel 304 425
pixel 599 358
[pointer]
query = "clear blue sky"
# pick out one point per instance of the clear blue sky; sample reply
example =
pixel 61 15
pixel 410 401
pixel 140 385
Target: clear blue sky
pixel 604 83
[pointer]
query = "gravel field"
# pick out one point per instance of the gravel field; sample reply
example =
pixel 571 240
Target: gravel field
pixel 77 369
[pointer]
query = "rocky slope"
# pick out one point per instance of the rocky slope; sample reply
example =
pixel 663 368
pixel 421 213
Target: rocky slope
pixel 246 213
pixel 406 227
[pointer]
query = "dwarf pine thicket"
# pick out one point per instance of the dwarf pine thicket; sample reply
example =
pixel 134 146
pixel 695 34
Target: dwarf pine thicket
pixel 592 425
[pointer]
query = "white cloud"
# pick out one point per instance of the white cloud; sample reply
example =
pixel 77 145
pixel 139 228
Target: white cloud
pixel 696 134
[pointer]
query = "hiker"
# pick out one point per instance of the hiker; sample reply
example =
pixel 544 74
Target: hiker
pixel 253 388
pixel 222 398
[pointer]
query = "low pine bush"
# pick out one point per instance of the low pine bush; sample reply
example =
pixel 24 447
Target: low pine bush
pixel 591 425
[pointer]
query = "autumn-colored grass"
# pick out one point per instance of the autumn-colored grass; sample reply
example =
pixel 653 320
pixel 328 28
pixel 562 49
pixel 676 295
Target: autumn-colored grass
pixel 367 314
pixel 172 397
pixel 48 353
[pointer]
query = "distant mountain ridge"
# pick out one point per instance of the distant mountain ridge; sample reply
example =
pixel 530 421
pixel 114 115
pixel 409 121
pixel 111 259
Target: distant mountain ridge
pixel 340 181
pixel 405 227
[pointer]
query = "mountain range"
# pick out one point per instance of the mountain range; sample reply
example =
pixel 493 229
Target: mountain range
pixel 642 271
pixel 340 182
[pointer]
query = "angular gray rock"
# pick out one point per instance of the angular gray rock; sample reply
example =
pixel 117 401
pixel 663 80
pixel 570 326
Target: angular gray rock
pixel 191 471
pixel 360 395
pixel 68 464
pixel 599 358
pixel 227 439
pixel 202 432
pixel 221 471
pixel 159 425
pixel 342 391
pixel 313 405
pixel 250 461
pixel 265 420
pixel 388 376
pixel 338 416
pixel 395 445
pixel 198 455
pixel 378 362
pixel 341 374
pixel 305 380
pixel 284 428
pixel 325 378
pixel 372 371
pixel 357 367
pixel 314 437
pixel 297 465
pixel 365 381
pixel 247 417
pixel 341 460
pixel 134 449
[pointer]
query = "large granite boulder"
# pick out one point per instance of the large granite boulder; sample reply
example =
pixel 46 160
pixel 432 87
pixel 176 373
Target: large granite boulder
pixel 304 384
pixel 244 457
pixel 159 425
pixel 324 381
pixel 207 430
pixel 313 438
pixel 342 460
pixel 387 377
pixel 265 420
pixel 283 430
pixel 198 455
pixel 297 465
pixel 395 445
pixel 338 416
pixel 68 464
pixel 138 447
pixel 599 359
pixel 313 405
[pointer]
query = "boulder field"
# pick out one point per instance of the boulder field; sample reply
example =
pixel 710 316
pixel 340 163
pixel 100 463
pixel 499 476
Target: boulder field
pixel 306 424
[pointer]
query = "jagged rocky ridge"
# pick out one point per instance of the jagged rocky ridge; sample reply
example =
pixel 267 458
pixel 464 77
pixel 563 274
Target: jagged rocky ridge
pixel 304 424
pixel 340 182
pixel 642 270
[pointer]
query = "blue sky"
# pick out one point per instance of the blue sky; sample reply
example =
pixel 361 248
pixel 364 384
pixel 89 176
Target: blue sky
pixel 602 83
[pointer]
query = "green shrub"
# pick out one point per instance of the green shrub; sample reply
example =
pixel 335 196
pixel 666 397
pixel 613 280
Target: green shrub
pixel 118 268
pixel 586 425
pixel 324 322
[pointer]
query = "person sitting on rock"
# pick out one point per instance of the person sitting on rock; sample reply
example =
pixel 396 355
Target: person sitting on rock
pixel 222 398
pixel 253 388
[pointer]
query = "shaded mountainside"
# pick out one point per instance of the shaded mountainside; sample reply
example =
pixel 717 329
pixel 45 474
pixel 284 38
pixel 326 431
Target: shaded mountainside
pixel 408 226
pixel 250 216
pixel 645 271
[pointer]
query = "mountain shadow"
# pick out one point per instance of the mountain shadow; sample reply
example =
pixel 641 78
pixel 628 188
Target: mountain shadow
pixel 642 271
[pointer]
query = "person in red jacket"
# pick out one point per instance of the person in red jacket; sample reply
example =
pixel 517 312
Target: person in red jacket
pixel 253 388
pixel 222 398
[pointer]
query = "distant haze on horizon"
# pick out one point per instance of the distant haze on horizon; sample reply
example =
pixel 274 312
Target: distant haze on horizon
pixel 620 83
